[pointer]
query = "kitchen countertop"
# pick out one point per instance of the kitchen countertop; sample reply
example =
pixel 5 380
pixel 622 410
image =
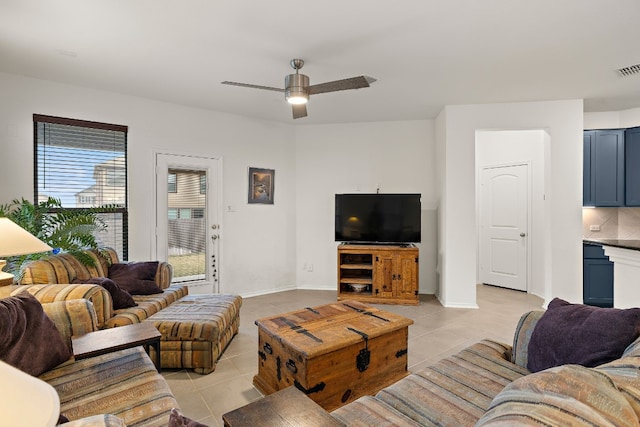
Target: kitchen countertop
pixel 618 243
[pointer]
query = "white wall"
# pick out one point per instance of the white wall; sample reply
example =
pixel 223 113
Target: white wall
pixel 350 158
pixel 612 119
pixel 264 247
pixel 499 148
pixel 563 120
pixel 258 242
pixel 441 196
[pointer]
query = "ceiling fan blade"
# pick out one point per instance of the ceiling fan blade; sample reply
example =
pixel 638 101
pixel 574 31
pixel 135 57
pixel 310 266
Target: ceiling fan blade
pixel 345 84
pixel 299 110
pixel 252 86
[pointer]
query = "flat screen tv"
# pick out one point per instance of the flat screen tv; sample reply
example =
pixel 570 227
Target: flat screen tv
pixel 378 218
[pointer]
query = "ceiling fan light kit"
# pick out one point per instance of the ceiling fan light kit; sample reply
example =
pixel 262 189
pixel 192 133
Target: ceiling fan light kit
pixel 297 89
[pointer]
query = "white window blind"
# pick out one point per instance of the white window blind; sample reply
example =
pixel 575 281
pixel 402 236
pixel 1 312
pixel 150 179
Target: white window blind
pixel 187 224
pixel 84 165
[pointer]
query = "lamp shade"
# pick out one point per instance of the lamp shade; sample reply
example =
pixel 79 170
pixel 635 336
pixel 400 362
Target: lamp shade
pixel 26 400
pixel 15 240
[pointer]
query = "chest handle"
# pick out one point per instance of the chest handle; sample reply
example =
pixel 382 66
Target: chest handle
pixel 291 365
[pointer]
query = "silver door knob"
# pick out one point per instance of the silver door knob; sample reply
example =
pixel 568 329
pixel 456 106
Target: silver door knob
pixel 522 234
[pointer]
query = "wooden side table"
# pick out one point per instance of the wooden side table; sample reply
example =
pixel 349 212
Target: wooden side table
pixel 114 339
pixel 288 407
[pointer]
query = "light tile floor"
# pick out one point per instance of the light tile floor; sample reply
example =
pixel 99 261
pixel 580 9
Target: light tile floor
pixel 437 332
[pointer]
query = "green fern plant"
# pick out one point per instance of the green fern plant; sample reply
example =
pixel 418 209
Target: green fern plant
pixel 65 230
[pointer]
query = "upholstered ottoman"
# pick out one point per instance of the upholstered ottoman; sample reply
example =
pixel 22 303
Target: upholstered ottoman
pixel 196 329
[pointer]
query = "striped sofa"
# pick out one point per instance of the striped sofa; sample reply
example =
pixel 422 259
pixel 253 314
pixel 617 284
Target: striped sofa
pixel 62 269
pixel 487 384
pixel 195 328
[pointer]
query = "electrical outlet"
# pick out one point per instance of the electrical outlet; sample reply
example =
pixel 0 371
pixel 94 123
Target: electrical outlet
pixel 304 267
pixel 310 267
pixel 594 228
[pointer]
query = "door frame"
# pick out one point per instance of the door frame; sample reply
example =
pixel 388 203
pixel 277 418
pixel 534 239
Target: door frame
pixel 219 284
pixel 526 163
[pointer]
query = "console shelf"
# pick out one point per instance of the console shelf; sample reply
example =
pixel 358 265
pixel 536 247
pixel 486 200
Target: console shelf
pixel 389 273
pixel 356 267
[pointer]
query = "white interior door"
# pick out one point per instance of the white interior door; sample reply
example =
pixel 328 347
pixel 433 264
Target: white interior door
pixel 187 230
pixel 504 226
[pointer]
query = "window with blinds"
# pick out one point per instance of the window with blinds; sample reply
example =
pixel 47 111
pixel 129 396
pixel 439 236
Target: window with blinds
pixel 84 165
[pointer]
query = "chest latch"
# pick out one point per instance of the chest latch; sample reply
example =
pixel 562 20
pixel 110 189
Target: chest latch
pixel 364 356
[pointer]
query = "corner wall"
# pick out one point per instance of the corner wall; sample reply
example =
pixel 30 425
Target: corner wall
pixel 563 120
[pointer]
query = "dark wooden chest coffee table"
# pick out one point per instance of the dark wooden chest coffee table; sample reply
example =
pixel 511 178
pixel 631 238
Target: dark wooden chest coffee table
pixel 333 353
pixel 114 339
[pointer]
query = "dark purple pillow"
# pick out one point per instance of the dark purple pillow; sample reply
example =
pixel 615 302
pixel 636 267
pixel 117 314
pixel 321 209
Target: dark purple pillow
pixel 120 298
pixel 137 278
pixel 581 334
pixel 29 340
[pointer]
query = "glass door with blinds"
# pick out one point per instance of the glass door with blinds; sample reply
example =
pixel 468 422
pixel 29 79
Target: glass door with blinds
pixel 187 229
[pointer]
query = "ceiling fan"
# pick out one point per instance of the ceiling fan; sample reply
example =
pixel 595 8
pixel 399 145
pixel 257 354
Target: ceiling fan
pixel 297 90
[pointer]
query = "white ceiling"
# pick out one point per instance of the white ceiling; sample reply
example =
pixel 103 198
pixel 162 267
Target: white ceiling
pixel 425 53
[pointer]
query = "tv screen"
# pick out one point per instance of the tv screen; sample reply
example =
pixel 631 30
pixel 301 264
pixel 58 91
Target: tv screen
pixel 378 218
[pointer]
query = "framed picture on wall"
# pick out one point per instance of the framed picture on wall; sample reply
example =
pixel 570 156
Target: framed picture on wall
pixel 261 185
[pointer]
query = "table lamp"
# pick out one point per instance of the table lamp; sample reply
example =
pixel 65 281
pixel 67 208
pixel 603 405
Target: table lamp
pixel 15 240
pixel 26 400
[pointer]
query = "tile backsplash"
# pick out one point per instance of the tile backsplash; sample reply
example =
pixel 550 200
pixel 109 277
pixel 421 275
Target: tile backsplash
pixel 615 223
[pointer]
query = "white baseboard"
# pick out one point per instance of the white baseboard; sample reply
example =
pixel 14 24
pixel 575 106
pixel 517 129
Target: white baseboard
pixel 307 288
pixel 317 288
pixel 267 291
pixel 455 305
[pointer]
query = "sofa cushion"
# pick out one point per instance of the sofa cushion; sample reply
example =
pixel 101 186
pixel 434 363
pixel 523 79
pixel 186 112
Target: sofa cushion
pixel 522 337
pixel 369 411
pixel 98 296
pixel 119 297
pixel 565 395
pixel 124 383
pixel 137 278
pixel 101 420
pixel 147 306
pixel 197 317
pixel 456 390
pixel 624 373
pixel 29 340
pixel 73 317
pixel 581 334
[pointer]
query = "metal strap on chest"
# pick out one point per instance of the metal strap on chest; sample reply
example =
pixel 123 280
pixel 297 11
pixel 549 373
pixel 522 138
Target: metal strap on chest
pixel 299 329
pixel 366 313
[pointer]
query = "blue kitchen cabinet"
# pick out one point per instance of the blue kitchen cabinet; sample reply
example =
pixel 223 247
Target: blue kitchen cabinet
pixel 603 179
pixel 632 167
pixel 588 199
pixel 597 277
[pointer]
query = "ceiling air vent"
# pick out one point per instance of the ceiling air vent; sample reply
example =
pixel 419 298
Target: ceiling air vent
pixel 630 70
